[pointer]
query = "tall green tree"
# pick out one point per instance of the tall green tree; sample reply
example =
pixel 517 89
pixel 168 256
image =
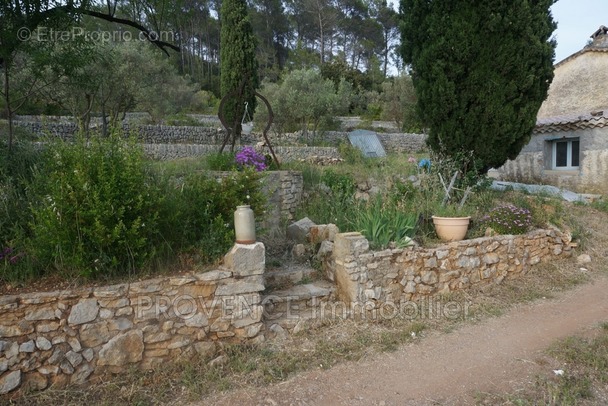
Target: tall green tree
pixel 481 72
pixel 238 64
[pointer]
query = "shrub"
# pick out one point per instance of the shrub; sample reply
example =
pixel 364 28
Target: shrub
pixel 508 219
pixel 94 209
pixel 224 161
pixel 341 184
pixel 203 207
pixel 15 176
pixel 351 154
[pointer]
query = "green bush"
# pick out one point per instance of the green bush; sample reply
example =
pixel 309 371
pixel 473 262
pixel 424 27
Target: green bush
pixel 224 161
pixel 97 208
pixel 342 185
pixel 15 175
pixel 203 208
pixel 351 154
pixel 94 209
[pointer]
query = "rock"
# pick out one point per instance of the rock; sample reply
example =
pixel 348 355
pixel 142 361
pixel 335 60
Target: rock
pixel 299 251
pixel 583 259
pixel 121 324
pixel 9 381
pixel 27 346
pixel 84 311
pixel 198 320
pixel 75 344
pixel 74 358
pixel 92 335
pixel 21 329
pixel 429 277
pixel 239 288
pixel 246 259
pixel 278 331
pixel 327 247
pixel 3 365
pixel 88 354
pixel 43 344
pixel 323 232
pixel 122 349
pixel 66 368
pixel 58 356
pixel 49 370
pixel 45 313
pixel 82 373
pixel 298 231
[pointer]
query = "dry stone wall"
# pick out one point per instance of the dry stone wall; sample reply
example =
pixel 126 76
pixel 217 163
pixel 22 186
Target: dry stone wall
pixel 70 336
pixel 172 142
pixel 284 154
pixel 401 275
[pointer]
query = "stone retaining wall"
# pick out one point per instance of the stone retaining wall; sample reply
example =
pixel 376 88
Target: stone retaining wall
pixel 71 336
pixel 171 142
pixel 400 275
pixel 284 154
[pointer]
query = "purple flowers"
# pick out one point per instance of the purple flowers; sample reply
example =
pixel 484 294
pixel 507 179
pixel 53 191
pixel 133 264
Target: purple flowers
pixel 248 157
pixel 7 255
pixel 508 219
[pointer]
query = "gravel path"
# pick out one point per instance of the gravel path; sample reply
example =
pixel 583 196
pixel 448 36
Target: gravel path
pixel 498 354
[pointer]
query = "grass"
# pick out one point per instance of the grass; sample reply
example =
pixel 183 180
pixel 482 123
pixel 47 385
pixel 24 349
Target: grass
pixel 584 362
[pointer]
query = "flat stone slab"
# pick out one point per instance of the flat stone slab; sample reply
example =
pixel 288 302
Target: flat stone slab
pixel 303 292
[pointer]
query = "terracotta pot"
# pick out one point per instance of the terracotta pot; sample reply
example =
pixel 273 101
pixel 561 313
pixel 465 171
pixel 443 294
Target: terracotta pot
pixel 244 225
pixel 451 228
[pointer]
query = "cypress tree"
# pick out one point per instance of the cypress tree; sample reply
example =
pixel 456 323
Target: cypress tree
pixel 237 60
pixel 481 70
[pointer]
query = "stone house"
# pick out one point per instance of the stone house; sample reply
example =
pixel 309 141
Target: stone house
pixel 569 146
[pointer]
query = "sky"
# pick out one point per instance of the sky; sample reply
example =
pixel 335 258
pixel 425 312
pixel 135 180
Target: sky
pixel 576 21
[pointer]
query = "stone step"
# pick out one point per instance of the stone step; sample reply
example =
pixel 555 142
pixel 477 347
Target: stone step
pixel 317 289
pixel 290 275
pixel 286 311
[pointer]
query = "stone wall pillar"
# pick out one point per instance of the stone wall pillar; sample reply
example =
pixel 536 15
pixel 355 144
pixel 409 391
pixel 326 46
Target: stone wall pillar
pixel 347 272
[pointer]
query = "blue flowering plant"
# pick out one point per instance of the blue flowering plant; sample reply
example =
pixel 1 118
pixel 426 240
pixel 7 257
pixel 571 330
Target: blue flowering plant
pixel 247 157
pixel 508 219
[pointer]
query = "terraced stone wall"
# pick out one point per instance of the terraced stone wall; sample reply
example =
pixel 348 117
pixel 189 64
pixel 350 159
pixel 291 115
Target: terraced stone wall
pixel 70 336
pixel 402 275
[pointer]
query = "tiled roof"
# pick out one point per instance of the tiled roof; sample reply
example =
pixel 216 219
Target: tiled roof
pixel 594 119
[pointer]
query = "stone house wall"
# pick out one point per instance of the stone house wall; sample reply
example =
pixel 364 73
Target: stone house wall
pixel 401 275
pixel 71 336
pixel 533 164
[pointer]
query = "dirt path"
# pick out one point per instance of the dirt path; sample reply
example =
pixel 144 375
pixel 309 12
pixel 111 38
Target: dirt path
pixel 495 355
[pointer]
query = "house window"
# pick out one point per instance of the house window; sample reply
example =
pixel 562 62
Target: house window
pixel 565 153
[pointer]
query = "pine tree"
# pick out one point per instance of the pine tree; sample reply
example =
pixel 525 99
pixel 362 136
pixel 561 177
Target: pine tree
pixel 238 65
pixel 481 70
